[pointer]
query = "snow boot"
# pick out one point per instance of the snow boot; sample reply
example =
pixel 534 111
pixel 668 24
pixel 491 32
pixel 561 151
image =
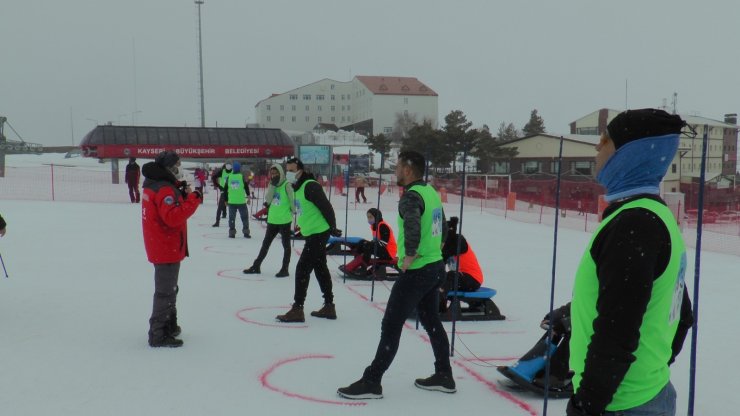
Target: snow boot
pixel 254 269
pixel 327 311
pixel 247 234
pixel 167 341
pixel 295 314
pixel 216 224
pixel 232 233
pixel 437 382
pixel 361 389
pixel 283 272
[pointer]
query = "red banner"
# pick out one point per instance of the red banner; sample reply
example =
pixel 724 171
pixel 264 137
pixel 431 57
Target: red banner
pixel 190 152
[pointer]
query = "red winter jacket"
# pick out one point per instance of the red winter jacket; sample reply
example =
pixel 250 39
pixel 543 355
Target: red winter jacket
pixel 164 216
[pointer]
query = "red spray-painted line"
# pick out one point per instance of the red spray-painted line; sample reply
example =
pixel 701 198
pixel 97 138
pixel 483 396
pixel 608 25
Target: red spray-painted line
pixel 491 386
pixel 249 321
pixel 266 383
pixel 222 273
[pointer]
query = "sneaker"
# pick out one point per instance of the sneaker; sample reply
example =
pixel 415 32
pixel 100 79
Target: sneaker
pixel 252 270
pixel 247 235
pixel 437 382
pixel 282 273
pixel 215 224
pixel 168 341
pixel 295 314
pixel 327 311
pixel 361 389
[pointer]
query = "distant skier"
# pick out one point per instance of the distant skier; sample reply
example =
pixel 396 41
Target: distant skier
pixel 165 210
pixel 237 197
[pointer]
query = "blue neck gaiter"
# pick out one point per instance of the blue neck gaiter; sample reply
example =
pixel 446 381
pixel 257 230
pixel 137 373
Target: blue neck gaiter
pixel 638 167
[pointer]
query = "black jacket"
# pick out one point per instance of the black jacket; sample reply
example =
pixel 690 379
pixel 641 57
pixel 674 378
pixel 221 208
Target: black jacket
pixel 315 193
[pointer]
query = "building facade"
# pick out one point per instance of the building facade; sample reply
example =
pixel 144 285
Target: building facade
pixel 366 104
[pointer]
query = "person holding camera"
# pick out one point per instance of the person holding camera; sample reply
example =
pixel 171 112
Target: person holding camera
pixel 317 222
pixel 166 206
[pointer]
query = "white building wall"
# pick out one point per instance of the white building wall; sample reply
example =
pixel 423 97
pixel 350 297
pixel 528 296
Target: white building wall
pixel 385 108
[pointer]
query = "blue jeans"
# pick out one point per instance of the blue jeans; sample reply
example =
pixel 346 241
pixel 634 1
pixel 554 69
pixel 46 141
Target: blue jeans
pixel 242 208
pixel 663 404
pixel 417 288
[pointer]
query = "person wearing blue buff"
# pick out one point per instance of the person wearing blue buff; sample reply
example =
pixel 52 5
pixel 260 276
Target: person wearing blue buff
pixel 630 311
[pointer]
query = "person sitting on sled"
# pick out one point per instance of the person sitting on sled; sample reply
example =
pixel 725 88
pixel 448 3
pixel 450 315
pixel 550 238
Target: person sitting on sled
pixel 383 245
pixel 469 272
pixel 529 371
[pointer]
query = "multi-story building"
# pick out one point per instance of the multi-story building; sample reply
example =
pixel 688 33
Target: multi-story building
pixel 721 149
pixel 366 104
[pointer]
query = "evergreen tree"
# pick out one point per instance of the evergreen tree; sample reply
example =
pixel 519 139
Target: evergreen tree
pixel 457 134
pixel 536 124
pixel 430 142
pixel 488 148
pixel 507 133
pixel 379 144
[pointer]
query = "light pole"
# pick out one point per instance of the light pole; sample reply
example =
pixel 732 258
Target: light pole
pixel 200 63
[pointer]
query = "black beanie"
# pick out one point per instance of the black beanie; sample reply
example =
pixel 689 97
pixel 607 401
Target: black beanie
pixel 647 122
pixel 452 224
pixel 167 159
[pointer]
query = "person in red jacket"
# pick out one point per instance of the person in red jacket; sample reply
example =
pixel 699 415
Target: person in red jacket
pixel 469 273
pixel 166 206
pixel 383 245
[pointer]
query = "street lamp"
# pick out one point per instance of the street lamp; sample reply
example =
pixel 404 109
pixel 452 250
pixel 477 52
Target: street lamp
pixel 200 63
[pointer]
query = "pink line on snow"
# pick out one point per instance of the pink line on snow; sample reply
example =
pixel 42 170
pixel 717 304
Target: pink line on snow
pixel 249 321
pixel 266 383
pixel 240 276
pixel 491 386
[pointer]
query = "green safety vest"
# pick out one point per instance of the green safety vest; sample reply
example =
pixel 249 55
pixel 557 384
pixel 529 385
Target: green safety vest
pixel 222 178
pixel 237 195
pixel 430 245
pixel 310 218
pixel 279 210
pixel 649 373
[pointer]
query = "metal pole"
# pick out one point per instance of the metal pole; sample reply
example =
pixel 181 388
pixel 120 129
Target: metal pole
pixel 375 245
pixel 346 209
pixel 200 64
pixel 552 278
pixel 697 270
pixel 455 302
pixel 3 263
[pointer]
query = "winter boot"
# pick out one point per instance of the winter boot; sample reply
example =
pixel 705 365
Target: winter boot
pixel 361 389
pixel 247 234
pixel 232 233
pixel 295 314
pixel 254 269
pixel 171 327
pixel 283 272
pixel 327 311
pixel 215 224
pixel 437 382
pixel 166 341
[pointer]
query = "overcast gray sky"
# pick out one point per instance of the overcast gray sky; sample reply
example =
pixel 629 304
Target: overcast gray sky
pixel 67 64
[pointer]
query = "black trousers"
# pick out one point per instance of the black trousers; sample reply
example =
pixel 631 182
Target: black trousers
pixel 221 210
pixel 465 282
pixel 165 298
pixel 313 259
pixel 360 190
pixel 270 233
pixel 133 192
pixel 414 289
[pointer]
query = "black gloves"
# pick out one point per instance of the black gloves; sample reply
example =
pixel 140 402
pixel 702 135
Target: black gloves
pixel 336 232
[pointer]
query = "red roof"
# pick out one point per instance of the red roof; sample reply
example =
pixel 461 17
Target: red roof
pixel 395 85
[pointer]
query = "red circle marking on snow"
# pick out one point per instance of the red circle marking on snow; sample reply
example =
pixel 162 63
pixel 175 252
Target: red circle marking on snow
pixel 239 275
pixel 219 236
pixel 242 318
pixel 491 386
pixel 266 383
pixel 222 250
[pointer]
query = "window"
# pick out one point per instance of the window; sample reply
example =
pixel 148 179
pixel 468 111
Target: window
pixel 587 130
pixel 387 130
pixel 318 119
pixel 342 97
pixel 333 118
pixel 333 97
pixel 405 100
pixel 267 107
pixel 319 108
pixel 306 96
pixel 673 168
pixel 293 119
pixel 282 108
pixel 268 118
pixel 554 167
pixel 293 96
pixel 333 108
pixel 307 108
pixel 332 87
pixel 306 118
pixel 282 118
pixel 319 97
pixel 342 108
pixel 293 107
pixel 406 113
pixel 582 168
pixel 348 108
pixel 501 167
pixel 531 166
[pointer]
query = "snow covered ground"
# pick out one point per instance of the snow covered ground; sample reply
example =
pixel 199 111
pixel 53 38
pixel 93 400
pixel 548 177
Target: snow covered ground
pixel 74 311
